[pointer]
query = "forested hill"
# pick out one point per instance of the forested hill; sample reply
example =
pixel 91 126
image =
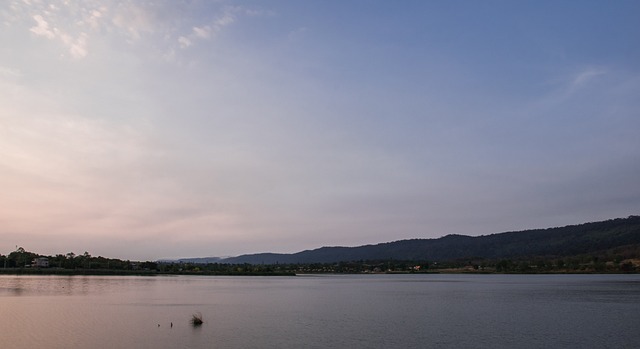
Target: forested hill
pixel 588 238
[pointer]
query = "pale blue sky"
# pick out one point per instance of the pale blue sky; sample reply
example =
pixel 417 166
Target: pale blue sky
pixel 162 129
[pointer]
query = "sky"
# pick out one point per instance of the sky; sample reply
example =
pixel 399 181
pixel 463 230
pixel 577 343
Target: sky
pixel 163 129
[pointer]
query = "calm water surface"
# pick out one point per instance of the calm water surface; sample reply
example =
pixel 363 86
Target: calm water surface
pixel 363 311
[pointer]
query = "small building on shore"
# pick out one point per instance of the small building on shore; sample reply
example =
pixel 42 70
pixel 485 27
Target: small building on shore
pixel 40 262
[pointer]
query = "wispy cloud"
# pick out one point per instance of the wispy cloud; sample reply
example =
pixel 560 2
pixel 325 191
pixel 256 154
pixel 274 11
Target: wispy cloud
pixel 297 34
pixel 10 72
pixel 568 85
pixel 48 25
pixel 209 30
pixel 584 77
pixel 134 20
pixel 202 32
pixel 42 28
pixel 76 24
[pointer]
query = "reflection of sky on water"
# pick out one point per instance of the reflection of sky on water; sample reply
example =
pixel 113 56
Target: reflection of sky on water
pixel 31 285
pixel 356 311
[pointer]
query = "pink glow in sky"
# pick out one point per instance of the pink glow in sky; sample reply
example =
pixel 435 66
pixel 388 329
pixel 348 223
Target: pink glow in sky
pixel 163 129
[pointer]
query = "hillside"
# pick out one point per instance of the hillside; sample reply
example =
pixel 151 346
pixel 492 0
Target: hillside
pixel 565 241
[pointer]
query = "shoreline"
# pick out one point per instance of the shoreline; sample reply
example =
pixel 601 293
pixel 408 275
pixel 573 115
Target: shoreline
pixel 107 272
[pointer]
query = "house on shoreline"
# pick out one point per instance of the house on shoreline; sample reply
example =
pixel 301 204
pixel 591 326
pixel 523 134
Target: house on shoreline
pixel 40 262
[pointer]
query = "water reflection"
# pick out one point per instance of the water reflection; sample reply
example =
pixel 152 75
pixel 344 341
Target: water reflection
pixel 12 286
pixel 73 285
pixel 407 311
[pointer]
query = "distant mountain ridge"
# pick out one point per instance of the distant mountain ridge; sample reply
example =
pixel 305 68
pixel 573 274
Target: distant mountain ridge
pixel 201 260
pixel 551 242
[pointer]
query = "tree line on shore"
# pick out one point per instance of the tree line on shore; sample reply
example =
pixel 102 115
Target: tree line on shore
pixel 21 259
pixel 610 261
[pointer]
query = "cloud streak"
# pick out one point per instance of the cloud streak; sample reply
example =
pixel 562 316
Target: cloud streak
pixel 76 25
pixel 42 28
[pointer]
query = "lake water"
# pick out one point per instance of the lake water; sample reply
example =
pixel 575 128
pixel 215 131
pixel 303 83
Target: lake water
pixel 327 311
